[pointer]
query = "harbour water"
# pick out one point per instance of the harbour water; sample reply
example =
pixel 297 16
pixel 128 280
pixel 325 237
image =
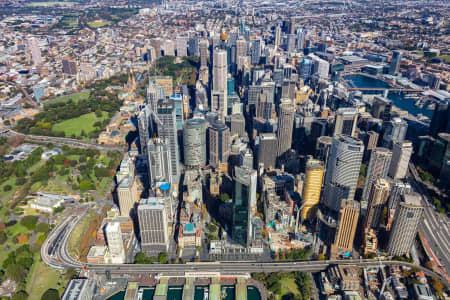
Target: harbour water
pixel 397 98
pixel 176 293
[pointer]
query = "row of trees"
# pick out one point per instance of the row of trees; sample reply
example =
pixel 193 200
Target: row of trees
pixel 274 283
pixel 142 258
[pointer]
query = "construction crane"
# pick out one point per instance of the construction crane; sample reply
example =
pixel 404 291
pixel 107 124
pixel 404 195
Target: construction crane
pixel 387 281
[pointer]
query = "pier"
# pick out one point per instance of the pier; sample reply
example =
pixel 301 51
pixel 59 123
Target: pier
pixel 161 289
pixel 214 289
pixel 189 289
pixel 241 289
pixel 131 292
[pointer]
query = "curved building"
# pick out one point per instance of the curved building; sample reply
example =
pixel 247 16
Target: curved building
pixel 194 142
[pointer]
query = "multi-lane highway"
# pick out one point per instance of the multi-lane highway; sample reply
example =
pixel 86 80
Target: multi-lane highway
pixel 54 253
pixel 434 229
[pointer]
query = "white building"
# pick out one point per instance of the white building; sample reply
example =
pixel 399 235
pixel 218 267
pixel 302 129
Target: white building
pixel 115 243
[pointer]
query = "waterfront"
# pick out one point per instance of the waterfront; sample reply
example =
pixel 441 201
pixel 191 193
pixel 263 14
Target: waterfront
pixel 176 293
pixel 397 98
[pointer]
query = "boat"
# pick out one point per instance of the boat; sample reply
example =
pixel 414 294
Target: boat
pixel 431 106
pixel 206 294
pixel 140 294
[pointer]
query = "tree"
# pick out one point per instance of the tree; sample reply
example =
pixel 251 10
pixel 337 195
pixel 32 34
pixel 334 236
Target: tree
pixel 438 286
pixel 321 256
pixel 7 188
pixel 71 273
pixel 3 237
pixel 29 222
pixel 20 181
pixel 42 227
pixel 50 294
pixel 16 272
pixel 162 257
pixel 224 197
pixel 86 185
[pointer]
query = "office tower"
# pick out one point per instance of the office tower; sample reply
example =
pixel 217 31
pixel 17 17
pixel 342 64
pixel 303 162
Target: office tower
pixel 290 46
pixel 145 129
pixel 394 130
pixel 256 51
pixel 169 48
pixel 244 201
pixel 177 100
pixel 381 108
pixel 306 68
pixel 288 89
pixel 35 50
pixel 241 51
pixel 440 152
pixel 347 224
pixel 193 46
pixel 277 36
pixel 264 108
pixel 312 187
pixel 246 158
pixel 342 173
pixel 321 67
pixel 69 66
pixel 219 143
pixel 345 123
pixel 237 125
pixel 301 40
pixel 153 226
pixel 395 62
pixel 167 84
pixel 182 45
pixel 378 196
pixel 220 70
pixel 127 194
pixel 398 188
pixel 323 147
pixel 194 142
pixel 370 143
pixel 440 118
pixel 379 163
pixel 401 154
pixel 406 221
pixel 115 242
pixel 159 166
pixel 285 126
pixel 204 53
pixel 219 103
pixel 267 150
pixel 167 130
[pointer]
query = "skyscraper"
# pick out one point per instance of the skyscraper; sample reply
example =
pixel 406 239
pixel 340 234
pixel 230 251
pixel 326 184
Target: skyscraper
pixel 343 167
pixel 35 51
pixel 440 118
pixel 241 51
pixel 144 125
pixel 345 122
pixel 167 131
pixel 401 154
pixel 378 196
pixel 115 243
pixel 406 221
pixel 204 53
pixel 153 226
pixel 395 62
pixel 381 108
pixel 267 150
pixel 194 142
pixel 301 40
pixel 277 36
pixel 394 129
pixel 159 166
pixel 219 143
pixel 244 200
pixel 285 126
pixel 219 70
pixel 379 163
pixel 312 187
pixel 181 44
pixel 291 45
pixel 127 194
pixel 347 223
pixel 219 103
pixel 398 188
pixel 256 51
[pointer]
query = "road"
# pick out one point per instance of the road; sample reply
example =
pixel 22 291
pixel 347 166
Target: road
pixel 60 141
pixel 433 230
pixel 54 253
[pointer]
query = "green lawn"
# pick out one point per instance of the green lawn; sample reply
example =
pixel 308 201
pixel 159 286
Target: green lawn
pixel 83 95
pixel 446 58
pixel 99 24
pixel 76 125
pixel 289 286
pixel 6 196
pixel 42 278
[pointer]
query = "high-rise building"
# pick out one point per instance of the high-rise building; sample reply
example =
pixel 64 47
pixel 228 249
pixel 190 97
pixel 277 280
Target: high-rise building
pixel 194 142
pixel 69 66
pixel 291 43
pixel 159 166
pixel 394 129
pixel 35 51
pixel 321 67
pixel 301 34
pixel 398 188
pixel 378 196
pixel 440 118
pixel 277 36
pixel 193 46
pixel 127 194
pixel 285 126
pixel 144 125
pixel 347 224
pixel 306 68
pixel 381 108
pixel 204 53
pixel 115 243
pixel 379 163
pixel 406 221
pixel 220 70
pixel 312 187
pixel 342 173
pixel 256 51
pixel 167 130
pixel 167 84
pixel 395 62
pixel 401 154
pixel 219 103
pixel 323 147
pixel 267 150
pixel 345 123
pixel 219 143
pixel 153 226
pixel 169 48
pixel 241 51
pixel 244 201
pixel 237 125
pixel 181 43
pixel 370 143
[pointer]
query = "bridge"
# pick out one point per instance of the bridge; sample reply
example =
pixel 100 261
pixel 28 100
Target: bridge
pixel 375 89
